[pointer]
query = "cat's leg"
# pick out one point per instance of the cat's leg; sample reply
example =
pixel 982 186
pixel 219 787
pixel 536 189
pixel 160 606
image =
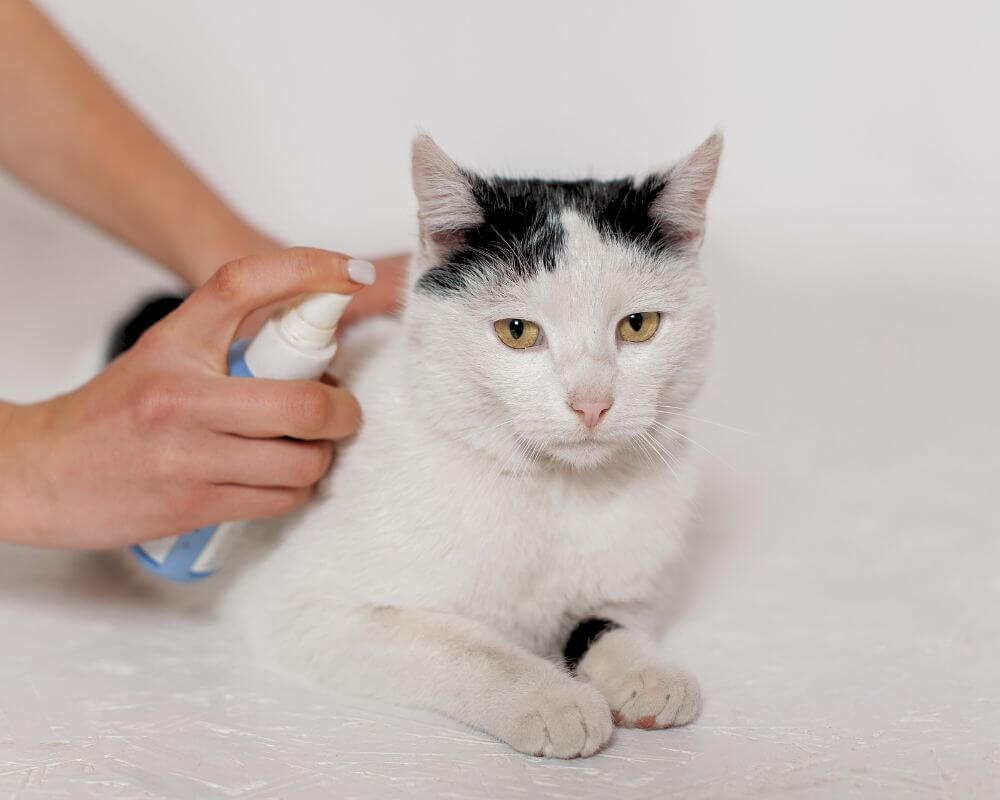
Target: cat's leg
pixel 472 673
pixel 623 664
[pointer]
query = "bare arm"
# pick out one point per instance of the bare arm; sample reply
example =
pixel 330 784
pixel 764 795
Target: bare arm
pixel 158 442
pixel 66 133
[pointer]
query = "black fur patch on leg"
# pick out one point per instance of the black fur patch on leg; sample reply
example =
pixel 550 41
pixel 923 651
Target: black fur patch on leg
pixel 129 330
pixel 583 637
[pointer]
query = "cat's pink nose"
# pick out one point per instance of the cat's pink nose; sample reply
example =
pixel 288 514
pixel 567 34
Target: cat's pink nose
pixel 591 412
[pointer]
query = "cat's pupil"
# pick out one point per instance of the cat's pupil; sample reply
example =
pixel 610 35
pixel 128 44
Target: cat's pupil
pixel 516 328
pixel 635 321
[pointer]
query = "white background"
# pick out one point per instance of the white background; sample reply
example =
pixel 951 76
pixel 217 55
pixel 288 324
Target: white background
pixel 853 114
pixel 841 608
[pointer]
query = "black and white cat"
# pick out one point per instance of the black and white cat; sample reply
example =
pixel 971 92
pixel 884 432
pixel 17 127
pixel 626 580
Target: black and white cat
pixel 491 544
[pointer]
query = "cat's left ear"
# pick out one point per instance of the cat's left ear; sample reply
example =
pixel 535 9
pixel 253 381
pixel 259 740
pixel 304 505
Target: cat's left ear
pixel 679 208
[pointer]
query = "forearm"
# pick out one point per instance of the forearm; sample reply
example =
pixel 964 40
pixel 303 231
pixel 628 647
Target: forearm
pixel 66 133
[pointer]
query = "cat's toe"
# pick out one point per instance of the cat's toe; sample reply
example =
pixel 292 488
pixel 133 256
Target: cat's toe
pixel 567 720
pixel 654 697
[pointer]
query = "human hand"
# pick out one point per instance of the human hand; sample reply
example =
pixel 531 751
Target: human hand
pixel 381 297
pixel 387 291
pixel 163 441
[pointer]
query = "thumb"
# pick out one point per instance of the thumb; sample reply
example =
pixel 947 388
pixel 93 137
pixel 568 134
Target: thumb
pixel 208 320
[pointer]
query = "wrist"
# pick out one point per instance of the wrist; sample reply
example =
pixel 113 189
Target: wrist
pixel 21 501
pixel 205 254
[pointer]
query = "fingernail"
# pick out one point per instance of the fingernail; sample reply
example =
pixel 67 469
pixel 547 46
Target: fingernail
pixel 361 271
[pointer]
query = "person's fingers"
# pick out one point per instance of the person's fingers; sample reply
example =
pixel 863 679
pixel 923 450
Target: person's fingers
pixel 262 462
pixel 387 292
pixel 235 502
pixel 208 320
pixel 264 408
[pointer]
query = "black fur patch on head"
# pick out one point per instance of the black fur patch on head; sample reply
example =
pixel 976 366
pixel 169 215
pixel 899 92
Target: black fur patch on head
pixel 522 228
pixel 583 638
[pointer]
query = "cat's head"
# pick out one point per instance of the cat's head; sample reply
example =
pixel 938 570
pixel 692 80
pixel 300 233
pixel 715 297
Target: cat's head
pixel 559 320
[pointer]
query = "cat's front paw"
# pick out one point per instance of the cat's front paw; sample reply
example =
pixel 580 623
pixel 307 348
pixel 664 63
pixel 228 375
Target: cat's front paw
pixel 564 719
pixel 658 696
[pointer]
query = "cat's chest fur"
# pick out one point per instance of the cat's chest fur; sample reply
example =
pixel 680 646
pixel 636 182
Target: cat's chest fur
pixel 412 519
pixel 558 553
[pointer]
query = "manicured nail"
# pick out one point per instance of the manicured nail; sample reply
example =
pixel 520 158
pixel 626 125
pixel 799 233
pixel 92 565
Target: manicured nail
pixel 361 271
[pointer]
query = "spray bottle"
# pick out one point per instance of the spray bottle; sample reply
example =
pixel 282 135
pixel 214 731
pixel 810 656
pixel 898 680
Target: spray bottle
pixel 296 343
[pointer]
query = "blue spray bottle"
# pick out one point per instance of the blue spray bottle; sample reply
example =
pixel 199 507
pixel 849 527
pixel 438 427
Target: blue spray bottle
pixel 296 343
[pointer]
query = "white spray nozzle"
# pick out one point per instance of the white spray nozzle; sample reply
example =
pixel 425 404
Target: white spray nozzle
pixel 323 309
pixel 313 320
pixel 298 342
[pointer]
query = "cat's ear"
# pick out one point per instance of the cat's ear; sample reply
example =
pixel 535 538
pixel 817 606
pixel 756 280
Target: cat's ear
pixel 446 203
pixel 679 208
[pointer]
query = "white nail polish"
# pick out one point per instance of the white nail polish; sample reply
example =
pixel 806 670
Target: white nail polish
pixel 361 271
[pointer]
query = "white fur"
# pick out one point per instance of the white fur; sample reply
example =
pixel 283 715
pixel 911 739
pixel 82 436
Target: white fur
pixel 474 521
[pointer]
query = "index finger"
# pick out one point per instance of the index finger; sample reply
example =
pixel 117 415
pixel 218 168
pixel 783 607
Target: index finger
pixel 207 321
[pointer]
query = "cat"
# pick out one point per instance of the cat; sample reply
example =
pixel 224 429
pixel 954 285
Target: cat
pixel 493 542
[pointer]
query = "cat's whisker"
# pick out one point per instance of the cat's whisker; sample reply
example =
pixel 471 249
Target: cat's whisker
pixel 659 452
pixel 533 449
pixel 650 444
pixel 502 469
pixel 695 443
pixel 644 451
pixel 536 455
pixel 488 428
pixel 674 458
pixel 680 413
pixel 488 480
pixel 523 448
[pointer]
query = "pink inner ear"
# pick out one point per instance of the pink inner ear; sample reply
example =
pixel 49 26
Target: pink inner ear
pixel 689 239
pixel 442 243
pixel 680 207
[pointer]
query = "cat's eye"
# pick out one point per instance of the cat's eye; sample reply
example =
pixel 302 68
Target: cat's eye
pixel 517 333
pixel 639 327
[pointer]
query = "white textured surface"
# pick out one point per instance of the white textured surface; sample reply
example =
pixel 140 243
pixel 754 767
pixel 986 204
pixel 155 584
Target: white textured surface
pixel 843 606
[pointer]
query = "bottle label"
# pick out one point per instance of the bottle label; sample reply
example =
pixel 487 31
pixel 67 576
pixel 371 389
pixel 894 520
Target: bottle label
pixel 186 558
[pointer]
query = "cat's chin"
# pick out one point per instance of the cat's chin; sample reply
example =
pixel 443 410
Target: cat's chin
pixel 586 454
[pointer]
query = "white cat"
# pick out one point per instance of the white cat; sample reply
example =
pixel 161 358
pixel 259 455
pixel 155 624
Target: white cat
pixel 493 541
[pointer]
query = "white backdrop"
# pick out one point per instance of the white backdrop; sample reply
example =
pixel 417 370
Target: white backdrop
pixel 842 118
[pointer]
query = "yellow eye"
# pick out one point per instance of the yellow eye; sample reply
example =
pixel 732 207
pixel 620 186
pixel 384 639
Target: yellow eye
pixel 639 327
pixel 517 333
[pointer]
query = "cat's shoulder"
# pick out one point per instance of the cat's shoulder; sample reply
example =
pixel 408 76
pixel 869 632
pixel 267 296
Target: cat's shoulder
pixel 364 348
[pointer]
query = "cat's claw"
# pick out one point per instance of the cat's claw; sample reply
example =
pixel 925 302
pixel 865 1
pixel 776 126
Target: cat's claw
pixel 567 720
pixel 659 696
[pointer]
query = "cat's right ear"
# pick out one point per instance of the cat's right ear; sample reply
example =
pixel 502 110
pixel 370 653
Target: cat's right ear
pixel 680 207
pixel 446 203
